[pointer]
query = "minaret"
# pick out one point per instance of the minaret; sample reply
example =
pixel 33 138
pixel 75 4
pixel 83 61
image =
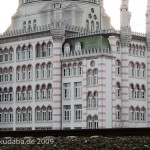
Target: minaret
pixel 148 58
pixel 101 10
pixel 57 31
pixel 125 40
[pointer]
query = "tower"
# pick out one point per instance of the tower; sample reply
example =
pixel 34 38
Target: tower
pixel 57 32
pixel 125 40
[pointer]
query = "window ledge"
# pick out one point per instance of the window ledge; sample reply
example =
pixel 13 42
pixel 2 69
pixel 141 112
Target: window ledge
pixel 36 58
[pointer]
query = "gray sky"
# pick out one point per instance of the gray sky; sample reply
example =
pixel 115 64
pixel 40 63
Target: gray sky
pixel 137 8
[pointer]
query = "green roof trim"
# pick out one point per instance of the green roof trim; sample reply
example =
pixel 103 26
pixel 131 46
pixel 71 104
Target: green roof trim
pixel 88 43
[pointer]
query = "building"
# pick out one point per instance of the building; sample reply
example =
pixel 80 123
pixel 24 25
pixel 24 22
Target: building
pixel 63 66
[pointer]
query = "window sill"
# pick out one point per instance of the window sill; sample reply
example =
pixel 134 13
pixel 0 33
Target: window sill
pixel 78 120
pixel 137 77
pixel 73 76
pixel 43 79
pixel 6 102
pixel 6 82
pixel 93 85
pixel 4 62
pixel 92 108
pixel 137 56
pixel 36 58
pixel 137 99
pixel 24 60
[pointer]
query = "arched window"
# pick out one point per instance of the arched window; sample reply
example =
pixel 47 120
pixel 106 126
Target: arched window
pixel 131 91
pixel 24 114
pixel 118 90
pixel 87 24
pixel 24 93
pixel 24 73
pixel 137 69
pixel 89 78
pixel 131 114
pixel 44 114
pixel 50 70
pixel 44 49
pixel 118 47
pixel 137 91
pixel 10 115
pixel 34 24
pixel 118 113
pixel 43 92
pixel 143 114
pixel 1 55
pixel 29 93
pixel 133 49
pixel 95 121
pixel 29 114
pixel 130 49
pixel 80 68
pixel 38 114
pixel 118 67
pixel 18 94
pixel 5 115
pixel 11 52
pixel 30 49
pixel 5 95
pixel 137 114
pixel 18 114
pixel 1 115
pixel 131 69
pixel 37 92
pixel 6 71
pixel 49 91
pixel 89 122
pixel 18 73
pixel 24 53
pixel 66 48
pixel 1 95
pixel 137 50
pixel 143 51
pixel 97 26
pixel 29 70
pixel 95 99
pixel 38 71
pixel 24 25
pixel 75 72
pixel 143 92
pixel 140 49
pixel 50 49
pixel 64 70
pixel 10 94
pixel 89 100
pixel 18 53
pixel 143 70
pixel 29 25
pixel 38 50
pixel 1 75
pixel 92 25
pixel 44 70
pixel 49 113
pixel 10 74
pixel 69 70
pixel 95 77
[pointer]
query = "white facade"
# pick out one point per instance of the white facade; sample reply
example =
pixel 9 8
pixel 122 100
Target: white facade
pixel 63 66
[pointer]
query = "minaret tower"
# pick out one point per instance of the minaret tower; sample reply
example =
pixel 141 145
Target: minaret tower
pixel 148 58
pixel 57 31
pixel 125 40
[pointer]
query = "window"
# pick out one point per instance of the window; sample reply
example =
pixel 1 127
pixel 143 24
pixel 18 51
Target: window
pixel 44 50
pixel 49 70
pixel 49 91
pixel 29 73
pixel 118 67
pixel 143 68
pixel 143 92
pixel 89 78
pixel 29 93
pixel 92 25
pixel 29 113
pixel 89 122
pixel 34 24
pixel 44 114
pixel 1 56
pixel 18 74
pixel 78 89
pixel 89 100
pixel 95 122
pixel 137 114
pixel 78 112
pixel 118 47
pixel 19 115
pixel 43 92
pixel 97 26
pixel 1 77
pixel 50 49
pixel 6 77
pixel 18 94
pixel 67 90
pixel 118 90
pixel 118 113
pixel 24 115
pixel 67 113
pixel 38 71
pixel 43 70
pixel 143 114
pixel 95 100
pixel 38 94
pixel 24 53
pixel 38 50
pixel 87 24
pixel 24 25
pixel 29 52
pixel 10 116
pixel 6 56
pixel 23 73
pixel 1 96
pixel 131 69
pixel 131 91
pixel 75 70
pixel 137 70
pixel 11 54
pixel 5 116
pixel 137 92
pixel 131 114
pixel 64 70
pixel 18 54
pixel 95 77
pixel 10 74
pixel 29 25
pixel 38 114
pixel 80 68
pixel 49 116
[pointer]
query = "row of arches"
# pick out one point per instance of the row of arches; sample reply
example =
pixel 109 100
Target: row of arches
pixel 6 55
pixel 6 94
pixel 135 114
pixel 92 77
pixel 92 99
pixel 92 122
pixel 72 69
pixel 137 50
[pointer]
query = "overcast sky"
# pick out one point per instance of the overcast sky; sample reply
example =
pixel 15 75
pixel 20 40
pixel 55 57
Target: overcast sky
pixel 137 8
